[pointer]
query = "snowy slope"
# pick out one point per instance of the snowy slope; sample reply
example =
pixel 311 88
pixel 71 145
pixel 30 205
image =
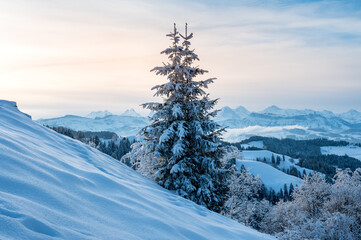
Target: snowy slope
pixel 53 187
pixel 261 154
pixel 350 150
pixel 270 176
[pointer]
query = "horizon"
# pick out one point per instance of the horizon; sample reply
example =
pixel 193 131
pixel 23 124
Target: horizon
pixel 145 113
pixel 65 57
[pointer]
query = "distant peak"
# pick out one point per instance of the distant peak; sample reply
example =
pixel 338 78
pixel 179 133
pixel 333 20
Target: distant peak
pixel 353 111
pixel 272 109
pixel 130 113
pixel 226 108
pixel 242 109
pixel 99 114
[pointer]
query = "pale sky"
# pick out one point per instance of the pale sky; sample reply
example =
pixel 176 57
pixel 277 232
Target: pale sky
pixel 62 57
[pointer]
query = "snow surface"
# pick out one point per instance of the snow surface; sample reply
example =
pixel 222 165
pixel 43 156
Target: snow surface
pixel 54 187
pixel 350 150
pixel 257 144
pixel 261 154
pixel 270 176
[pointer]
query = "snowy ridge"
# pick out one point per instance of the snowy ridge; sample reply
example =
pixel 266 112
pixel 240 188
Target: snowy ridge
pixel 53 187
pixel 121 125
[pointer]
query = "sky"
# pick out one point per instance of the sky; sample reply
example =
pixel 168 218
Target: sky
pixel 61 57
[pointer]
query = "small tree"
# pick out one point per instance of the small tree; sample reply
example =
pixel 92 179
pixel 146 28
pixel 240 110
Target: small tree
pixel 182 143
pixel 245 202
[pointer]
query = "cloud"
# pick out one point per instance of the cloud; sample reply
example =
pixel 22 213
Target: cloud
pixel 263 52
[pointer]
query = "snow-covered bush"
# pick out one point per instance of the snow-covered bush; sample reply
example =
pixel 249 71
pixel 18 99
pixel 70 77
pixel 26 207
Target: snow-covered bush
pixel 320 210
pixel 244 203
pixel 181 149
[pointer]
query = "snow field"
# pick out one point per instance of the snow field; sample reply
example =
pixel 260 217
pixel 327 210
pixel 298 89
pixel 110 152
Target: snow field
pixel 261 154
pixel 350 150
pixel 270 176
pixel 54 187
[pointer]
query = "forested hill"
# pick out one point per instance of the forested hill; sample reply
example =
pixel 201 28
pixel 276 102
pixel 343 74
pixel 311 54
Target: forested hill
pixel 309 153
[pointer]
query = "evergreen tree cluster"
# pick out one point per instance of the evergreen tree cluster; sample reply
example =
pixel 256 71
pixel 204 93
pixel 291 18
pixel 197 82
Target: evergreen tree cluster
pixel 309 154
pixel 284 194
pixel 295 148
pixel 106 142
pixel 326 163
pixel 115 149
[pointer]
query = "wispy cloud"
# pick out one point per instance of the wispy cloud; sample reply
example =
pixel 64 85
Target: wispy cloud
pixel 290 53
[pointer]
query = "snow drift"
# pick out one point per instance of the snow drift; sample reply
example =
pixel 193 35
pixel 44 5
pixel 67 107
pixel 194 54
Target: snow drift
pixel 53 187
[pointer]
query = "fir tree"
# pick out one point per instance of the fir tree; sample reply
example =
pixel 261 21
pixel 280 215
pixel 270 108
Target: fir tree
pixel 286 194
pixel 182 142
pixel 278 160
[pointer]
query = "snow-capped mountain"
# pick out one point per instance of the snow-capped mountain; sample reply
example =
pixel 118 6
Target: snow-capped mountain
pixel 123 125
pixel 274 116
pixel 130 113
pixel 241 123
pixel 54 187
pixel 292 123
pixel 351 116
pixel 98 114
pixel 285 112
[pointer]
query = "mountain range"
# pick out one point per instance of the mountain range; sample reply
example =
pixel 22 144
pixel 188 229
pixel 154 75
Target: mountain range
pixel 239 122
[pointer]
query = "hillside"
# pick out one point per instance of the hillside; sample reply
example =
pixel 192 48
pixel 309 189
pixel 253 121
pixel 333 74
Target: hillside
pixel 350 150
pixel 270 176
pixel 54 187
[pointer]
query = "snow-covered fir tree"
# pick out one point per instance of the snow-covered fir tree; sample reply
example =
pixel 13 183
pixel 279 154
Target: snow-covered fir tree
pixel 181 147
